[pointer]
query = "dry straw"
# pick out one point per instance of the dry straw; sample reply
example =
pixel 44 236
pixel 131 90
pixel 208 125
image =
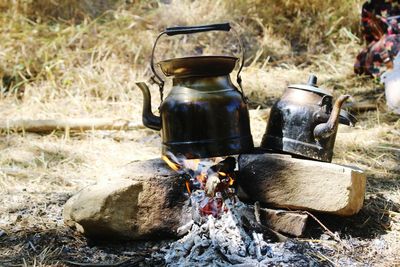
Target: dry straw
pixel 64 59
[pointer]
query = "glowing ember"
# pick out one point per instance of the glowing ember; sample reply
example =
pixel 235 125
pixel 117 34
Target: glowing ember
pixel 208 181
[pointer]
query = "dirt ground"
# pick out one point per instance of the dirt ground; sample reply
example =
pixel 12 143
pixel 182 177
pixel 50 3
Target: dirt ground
pixel 40 172
pixel 87 68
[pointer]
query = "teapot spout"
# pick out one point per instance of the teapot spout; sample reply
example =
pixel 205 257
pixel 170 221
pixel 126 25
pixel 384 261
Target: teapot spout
pixel 324 130
pixel 149 119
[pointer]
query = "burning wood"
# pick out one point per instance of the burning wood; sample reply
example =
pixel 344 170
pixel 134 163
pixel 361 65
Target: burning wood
pixel 208 182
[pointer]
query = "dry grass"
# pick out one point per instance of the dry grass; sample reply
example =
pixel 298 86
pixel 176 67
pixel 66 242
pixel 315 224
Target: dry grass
pixel 71 59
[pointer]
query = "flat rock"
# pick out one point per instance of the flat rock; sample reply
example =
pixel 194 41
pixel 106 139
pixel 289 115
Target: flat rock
pixel 286 182
pixel 283 221
pixel 146 201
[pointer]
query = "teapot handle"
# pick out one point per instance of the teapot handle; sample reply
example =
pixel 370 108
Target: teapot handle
pixel 171 31
pixel 194 29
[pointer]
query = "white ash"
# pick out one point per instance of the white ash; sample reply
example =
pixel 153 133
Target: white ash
pixel 223 241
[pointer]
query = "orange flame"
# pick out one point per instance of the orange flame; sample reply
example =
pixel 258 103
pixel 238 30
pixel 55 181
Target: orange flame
pixel 188 187
pixel 201 170
pixel 171 164
pixel 231 181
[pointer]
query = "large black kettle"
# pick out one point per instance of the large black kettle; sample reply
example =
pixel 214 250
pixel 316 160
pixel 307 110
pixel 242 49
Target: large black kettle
pixel 204 115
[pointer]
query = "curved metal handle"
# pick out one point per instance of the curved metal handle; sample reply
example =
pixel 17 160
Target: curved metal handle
pixel 196 29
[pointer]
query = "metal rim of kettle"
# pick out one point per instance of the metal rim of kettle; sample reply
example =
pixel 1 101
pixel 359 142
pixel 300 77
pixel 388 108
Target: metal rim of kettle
pixel 171 31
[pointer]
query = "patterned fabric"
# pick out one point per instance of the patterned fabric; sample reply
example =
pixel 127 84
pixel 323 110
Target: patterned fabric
pixel 379 15
pixel 380 21
pixel 378 56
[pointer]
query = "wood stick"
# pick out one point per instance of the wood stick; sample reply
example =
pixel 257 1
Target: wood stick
pixel 257 211
pixel 133 262
pixel 80 124
pixel 329 232
pixel 359 107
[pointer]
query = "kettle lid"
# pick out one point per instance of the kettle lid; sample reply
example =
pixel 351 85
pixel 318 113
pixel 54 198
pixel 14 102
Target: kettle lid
pixel 311 86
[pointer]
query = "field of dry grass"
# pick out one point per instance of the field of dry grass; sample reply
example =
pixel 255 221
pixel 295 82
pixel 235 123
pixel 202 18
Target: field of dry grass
pixel 70 59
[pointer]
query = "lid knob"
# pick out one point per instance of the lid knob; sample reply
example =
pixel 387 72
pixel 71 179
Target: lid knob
pixel 312 80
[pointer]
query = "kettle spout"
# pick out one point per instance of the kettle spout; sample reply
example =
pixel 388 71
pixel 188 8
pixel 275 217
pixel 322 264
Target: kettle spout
pixel 149 119
pixel 324 130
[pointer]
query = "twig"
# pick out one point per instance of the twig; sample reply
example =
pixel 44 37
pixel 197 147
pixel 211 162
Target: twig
pixel 389 148
pixel 325 228
pixel 330 233
pixel 13 265
pixel 105 264
pixel 79 124
pixel 361 106
pixel 324 258
pixel 257 212
pixel 6 261
pixel 257 241
pixel 32 246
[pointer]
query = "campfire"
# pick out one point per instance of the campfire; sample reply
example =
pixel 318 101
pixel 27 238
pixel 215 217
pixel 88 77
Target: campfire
pixel 223 230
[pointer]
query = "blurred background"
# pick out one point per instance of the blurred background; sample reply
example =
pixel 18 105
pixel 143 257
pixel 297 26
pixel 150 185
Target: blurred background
pixel 80 52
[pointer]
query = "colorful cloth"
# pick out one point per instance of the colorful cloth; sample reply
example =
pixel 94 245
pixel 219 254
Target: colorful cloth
pixel 379 15
pixel 380 21
pixel 375 59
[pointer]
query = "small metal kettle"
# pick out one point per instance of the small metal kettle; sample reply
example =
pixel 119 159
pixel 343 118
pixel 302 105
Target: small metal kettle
pixel 204 115
pixel 304 122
